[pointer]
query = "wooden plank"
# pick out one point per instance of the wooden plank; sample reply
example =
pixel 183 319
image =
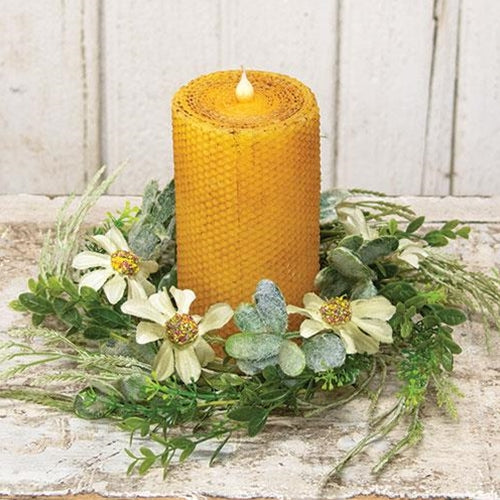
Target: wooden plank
pixel 477 142
pixel 48 95
pixel 439 132
pixel 150 53
pixel 294 37
pixel 385 61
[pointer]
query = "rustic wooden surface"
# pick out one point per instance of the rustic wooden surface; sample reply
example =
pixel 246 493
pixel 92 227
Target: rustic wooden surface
pixel 43 452
pixel 408 91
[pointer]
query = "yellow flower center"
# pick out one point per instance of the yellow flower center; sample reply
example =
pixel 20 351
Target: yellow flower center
pixel 181 329
pixel 336 311
pixel 125 262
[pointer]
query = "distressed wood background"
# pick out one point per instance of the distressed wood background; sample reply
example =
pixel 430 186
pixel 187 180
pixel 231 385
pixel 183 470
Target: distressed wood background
pixel 409 90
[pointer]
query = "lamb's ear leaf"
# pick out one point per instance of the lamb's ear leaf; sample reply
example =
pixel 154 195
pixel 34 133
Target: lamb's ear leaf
pixel 323 352
pixel 291 359
pixel 253 346
pixel 271 306
pixel 256 366
pixel 248 320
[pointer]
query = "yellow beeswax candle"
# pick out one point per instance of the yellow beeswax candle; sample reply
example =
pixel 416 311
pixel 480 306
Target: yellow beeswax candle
pixel 247 179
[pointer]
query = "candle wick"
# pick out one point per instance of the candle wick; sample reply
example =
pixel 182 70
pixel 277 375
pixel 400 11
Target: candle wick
pixel 244 90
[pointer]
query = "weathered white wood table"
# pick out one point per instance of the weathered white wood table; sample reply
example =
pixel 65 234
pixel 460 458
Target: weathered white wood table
pixel 43 452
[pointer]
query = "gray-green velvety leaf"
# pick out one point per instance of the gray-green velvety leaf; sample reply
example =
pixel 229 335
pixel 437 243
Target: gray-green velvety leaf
pixel 133 388
pixel 363 290
pixel 331 283
pixel 253 346
pixel 328 201
pixel 346 263
pixel 248 320
pixel 271 306
pixel 323 352
pixel 251 367
pixel 379 247
pixel 291 359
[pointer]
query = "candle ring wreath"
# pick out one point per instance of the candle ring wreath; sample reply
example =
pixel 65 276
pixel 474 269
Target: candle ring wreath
pixel 118 340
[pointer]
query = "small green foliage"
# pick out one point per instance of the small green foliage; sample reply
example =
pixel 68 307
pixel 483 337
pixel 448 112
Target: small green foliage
pixel 324 352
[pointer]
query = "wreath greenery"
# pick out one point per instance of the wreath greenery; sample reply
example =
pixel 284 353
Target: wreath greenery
pixel 115 346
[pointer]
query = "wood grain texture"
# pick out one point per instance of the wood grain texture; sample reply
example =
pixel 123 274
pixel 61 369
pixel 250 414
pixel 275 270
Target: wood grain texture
pixel 48 95
pixel 385 61
pixel 150 52
pixel 477 143
pixel 438 155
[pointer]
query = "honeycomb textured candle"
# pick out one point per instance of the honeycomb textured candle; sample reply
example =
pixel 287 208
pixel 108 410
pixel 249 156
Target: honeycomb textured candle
pixel 247 177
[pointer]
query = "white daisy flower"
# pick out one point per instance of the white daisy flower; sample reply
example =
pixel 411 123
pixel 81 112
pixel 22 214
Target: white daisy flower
pixel 412 252
pixel 361 324
pixel 183 350
pixel 355 223
pixel 119 268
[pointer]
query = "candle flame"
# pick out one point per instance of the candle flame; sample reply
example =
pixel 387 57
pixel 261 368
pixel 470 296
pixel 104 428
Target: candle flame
pixel 244 90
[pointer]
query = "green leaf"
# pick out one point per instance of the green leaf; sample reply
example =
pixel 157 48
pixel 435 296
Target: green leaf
pixel 217 450
pixel 331 283
pixel 363 290
pixel 436 239
pixel 70 288
pixel 271 306
pixel 447 361
pixel 248 320
pixel 399 291
pixel 450 225
pixel 392 225
pixel 33 285
pixel 328 201
pixel 245 413
pixel 55 288
pixel 253 346
pixel 96 333
pixel 451 316
pixel 257 423
pixel 323 352
pixel 169 279
pixel 133 388
pixel 35 303
pixel 108 317
pixel 37 319
pixel 463 232
pixel 146 464
pixel 347 264
pixel 16 305
pixel 89 295
pixel 291 359
pixel 92 404
pixel 415 224
pixel 352 242
pixel 67 312
pixel 377 248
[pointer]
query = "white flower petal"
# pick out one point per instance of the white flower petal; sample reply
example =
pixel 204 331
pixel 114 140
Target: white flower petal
pixel 410 258
pixel 161 301
pixel 355 340
pixel 147 286
pixel 312 301
pixel 116 236
pixel 376 328
pixel 183 299
pixel 298 310
pixel 143 309
pixel 216 317
pixel 163 365
pixel 115 288
pixel 136 290
pixel 96 279
pixel 86 260
pixel 377 307
pixel 187 365
pixel 105 243
pixel 203 351
pixel 148 267
pixel 310 327
pixel 148 332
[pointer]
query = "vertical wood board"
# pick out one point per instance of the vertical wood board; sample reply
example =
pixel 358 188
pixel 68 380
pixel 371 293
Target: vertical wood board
pixel 440 108
pixel 149 53
pixel 385 61
pixel 477 132
pixel 48 95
